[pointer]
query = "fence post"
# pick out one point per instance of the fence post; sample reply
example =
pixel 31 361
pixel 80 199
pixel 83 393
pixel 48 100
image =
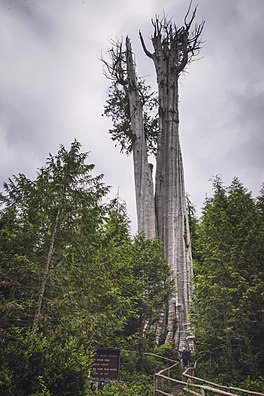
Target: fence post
pixel 203 392
pixel 155 385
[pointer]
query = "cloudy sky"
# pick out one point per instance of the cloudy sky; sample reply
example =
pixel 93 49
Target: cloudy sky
pixel 52 87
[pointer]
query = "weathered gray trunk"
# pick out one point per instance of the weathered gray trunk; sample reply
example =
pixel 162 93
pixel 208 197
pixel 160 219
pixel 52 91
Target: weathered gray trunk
pixel 142 169
pixel 171 210
pixel 174 47
pixel 167 216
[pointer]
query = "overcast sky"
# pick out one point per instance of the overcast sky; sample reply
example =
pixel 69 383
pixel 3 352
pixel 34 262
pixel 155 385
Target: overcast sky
pixel 52 88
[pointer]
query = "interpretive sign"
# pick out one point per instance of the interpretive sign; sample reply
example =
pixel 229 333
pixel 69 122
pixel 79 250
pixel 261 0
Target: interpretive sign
pixel 106 365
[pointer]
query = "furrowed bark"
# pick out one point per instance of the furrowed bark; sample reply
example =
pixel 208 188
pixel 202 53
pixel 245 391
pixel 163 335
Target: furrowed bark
pixel 142 169
pixel 170 200
pixel 167 216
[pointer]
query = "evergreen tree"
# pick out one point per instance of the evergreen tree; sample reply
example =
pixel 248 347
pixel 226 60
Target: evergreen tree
pixel 71 276
pixel 228 296
pixel 57 299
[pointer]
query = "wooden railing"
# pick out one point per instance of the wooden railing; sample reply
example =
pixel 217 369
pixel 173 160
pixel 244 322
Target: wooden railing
pixel 166 385
pixel 162 381
pixel 208 386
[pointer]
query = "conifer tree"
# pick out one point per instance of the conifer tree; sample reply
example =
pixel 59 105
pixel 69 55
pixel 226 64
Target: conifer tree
pixel 228 296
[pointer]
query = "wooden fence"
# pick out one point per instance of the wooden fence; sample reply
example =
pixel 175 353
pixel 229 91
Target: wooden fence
pixel 208 387
pixel 166 385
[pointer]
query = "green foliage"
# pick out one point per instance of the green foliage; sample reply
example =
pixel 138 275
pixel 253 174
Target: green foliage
pixel 152 274
pixel 41 364
pixel 81 300
pixel 256 384
pixel 103 287
pixel 64 190
pixel 134 381
pixel 117 108
pixel 150 287
pixel 193 225
pixel 141 387
pixel 167 351
pixel 99 279
pixel 229 287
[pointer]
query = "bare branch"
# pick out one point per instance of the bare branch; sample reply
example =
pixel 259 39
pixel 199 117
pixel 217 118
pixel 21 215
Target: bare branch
pixel 195 42
pixel 144 46
pixel 188 24
pixel 176 45
pixel 115 69
pixel 187 13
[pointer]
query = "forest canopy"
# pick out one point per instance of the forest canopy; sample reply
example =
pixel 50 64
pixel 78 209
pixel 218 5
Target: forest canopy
pixel 228 313
pixel 101 282
pixel 72 277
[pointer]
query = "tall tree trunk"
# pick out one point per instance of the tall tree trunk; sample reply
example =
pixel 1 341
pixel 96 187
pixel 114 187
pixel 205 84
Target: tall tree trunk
pixel 171 207
pixel 170 199
pixel 45 274
pixel 167 216
pixel 142 169
pixel 144 190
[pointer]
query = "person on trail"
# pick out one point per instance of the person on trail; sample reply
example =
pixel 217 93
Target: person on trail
pixel 186 356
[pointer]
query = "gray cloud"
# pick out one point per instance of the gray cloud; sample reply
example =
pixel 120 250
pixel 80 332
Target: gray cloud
pixel 52 87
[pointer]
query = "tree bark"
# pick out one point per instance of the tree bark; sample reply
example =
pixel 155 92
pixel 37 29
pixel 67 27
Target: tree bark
pixel 170 199
pixel 142 169
pixel 166 216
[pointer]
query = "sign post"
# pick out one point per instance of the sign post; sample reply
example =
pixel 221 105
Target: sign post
pixel 106 367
